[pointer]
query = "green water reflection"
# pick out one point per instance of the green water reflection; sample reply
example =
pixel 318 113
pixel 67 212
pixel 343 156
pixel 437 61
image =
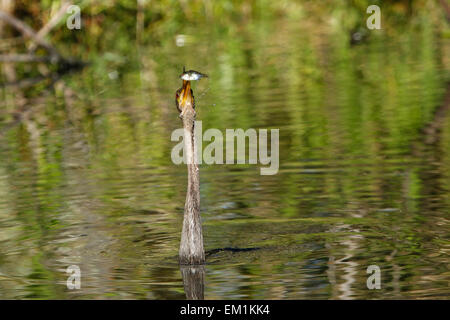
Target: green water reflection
pixel 86 176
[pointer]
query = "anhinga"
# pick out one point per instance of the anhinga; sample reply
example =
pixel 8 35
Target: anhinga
pixel 191 246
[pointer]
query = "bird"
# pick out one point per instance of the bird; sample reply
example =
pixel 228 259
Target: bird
pixel 191 245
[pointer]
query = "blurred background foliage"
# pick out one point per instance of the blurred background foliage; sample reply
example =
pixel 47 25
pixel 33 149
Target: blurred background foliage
pixel 85 170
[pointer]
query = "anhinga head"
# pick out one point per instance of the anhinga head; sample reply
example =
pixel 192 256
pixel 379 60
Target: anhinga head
pixel 184 97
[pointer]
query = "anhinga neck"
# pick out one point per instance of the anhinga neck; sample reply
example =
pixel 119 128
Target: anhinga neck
pixel 191 246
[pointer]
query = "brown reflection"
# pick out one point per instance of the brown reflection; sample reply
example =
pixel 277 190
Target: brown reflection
pixel 193 281
pixel 350 269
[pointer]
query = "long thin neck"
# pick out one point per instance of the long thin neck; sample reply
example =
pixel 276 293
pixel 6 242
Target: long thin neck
pixel 191 246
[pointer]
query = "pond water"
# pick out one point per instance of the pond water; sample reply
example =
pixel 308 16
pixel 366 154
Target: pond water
pixel 86 176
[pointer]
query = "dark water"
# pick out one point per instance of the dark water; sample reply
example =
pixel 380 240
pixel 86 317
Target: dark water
pixel 86 176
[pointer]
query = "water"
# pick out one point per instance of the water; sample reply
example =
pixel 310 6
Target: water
pixel 86 177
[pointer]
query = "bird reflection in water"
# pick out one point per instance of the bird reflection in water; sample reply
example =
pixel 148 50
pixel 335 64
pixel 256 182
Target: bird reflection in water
pixel 193 281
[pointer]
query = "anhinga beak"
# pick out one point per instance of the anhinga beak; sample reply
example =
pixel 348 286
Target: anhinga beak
pixel 186 93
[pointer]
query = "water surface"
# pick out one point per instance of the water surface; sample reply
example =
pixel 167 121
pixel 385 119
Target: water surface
pixel 86 176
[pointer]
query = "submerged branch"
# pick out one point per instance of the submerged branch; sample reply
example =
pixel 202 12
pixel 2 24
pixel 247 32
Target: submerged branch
pixel 51 24
pixel 28 32
pixel 23 58
pixel 38 39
